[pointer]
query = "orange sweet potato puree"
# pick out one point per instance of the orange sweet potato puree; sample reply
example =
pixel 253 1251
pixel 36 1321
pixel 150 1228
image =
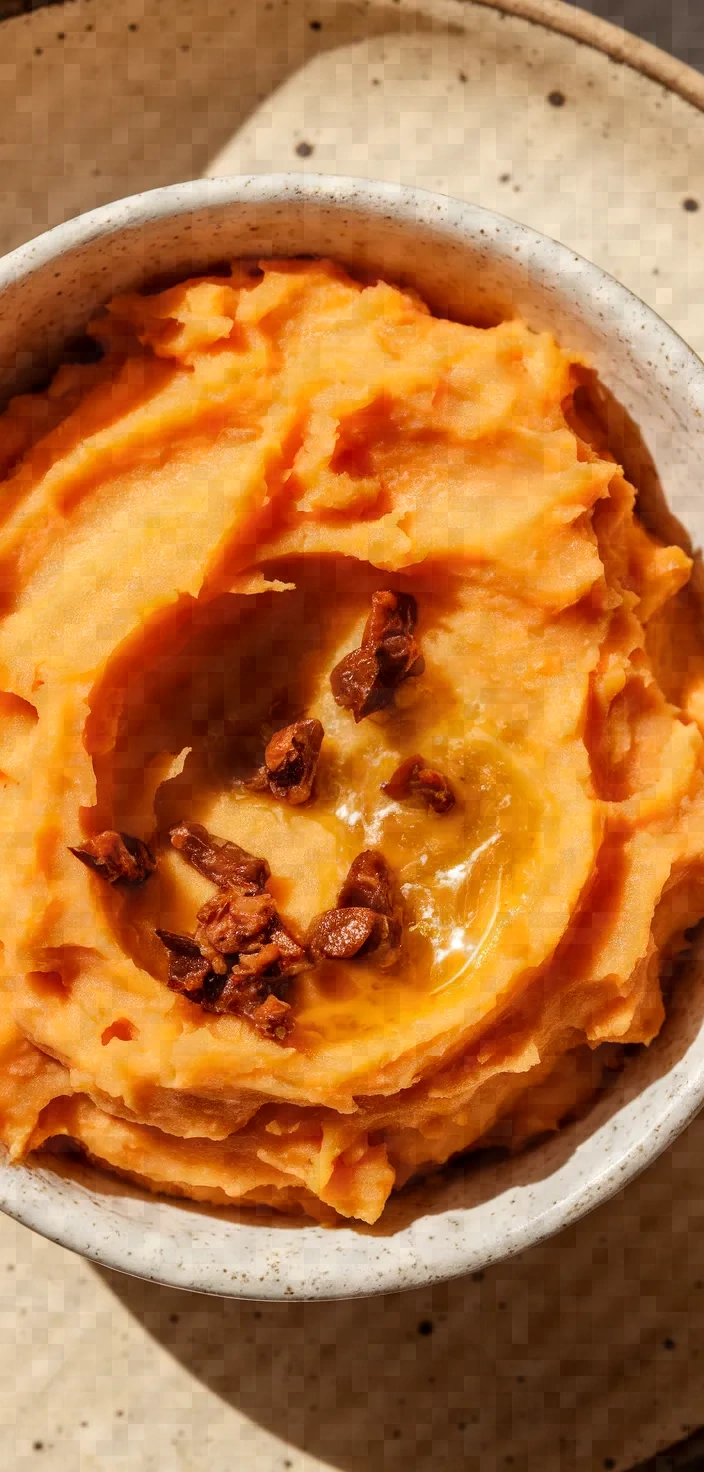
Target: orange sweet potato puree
pixel 191 532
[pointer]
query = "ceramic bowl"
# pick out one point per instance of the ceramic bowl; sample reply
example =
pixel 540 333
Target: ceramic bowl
pixel 469 264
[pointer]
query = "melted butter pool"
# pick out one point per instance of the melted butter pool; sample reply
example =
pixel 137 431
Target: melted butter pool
pixel 462 875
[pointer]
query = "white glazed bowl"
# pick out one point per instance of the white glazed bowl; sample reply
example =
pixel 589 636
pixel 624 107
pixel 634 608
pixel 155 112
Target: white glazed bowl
pixel 466 263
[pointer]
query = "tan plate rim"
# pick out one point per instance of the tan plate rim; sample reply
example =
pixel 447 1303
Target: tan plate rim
pixel 568 19
pixel 621 45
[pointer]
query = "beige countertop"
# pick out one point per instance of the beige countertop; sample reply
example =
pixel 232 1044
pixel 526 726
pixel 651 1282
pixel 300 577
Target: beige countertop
pixel 582 1354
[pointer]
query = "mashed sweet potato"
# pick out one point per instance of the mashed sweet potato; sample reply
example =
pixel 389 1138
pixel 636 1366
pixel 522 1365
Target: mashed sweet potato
pixel 196 531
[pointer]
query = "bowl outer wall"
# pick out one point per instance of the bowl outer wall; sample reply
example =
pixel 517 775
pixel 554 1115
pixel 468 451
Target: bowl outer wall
pixel 467 263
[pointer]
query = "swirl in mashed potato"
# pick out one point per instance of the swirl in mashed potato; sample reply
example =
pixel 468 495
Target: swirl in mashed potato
pixel 192 531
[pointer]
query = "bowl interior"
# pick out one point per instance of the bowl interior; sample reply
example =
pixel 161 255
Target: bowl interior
pixel 474 266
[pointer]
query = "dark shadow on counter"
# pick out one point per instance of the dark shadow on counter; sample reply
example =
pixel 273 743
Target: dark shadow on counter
pixel 460 1376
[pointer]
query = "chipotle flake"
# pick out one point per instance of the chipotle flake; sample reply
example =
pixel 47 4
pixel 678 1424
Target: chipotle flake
pixel 367 918
pixel 292 957
pixel 245 985
pixel 230 920
pixel 290 762
pixel 249 992
pixel 228 865
pixel 242 958
pixel 341 934
pixel 116 857
pixel 272 1017
pixel 369 882
pixel 413 778
pixel 365 680
pixel 188 968
pixel 246 997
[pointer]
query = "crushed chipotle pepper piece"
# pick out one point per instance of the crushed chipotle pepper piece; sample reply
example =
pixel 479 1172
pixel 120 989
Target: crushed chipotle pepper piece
pixel 365 680
pixel 241 955
pixel 116 857
pixel 413 778
pixel 245 985
pixel 341 934
pixel 292 957
pixel 256 961
pixel 245 997
pixel 188 969
pixel 367 918
pixel 253 978
pixel 230 920
pixel 369 882
pixel 272 1017
pixel 225 863
pixel 240 988
pixel 290 762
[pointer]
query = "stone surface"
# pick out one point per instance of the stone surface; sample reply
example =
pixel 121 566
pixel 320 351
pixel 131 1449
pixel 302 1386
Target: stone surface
pixel 584 1352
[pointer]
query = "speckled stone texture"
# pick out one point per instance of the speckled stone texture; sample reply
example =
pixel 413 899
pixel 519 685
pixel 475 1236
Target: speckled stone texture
pixel 580 1355
pixel 595 1359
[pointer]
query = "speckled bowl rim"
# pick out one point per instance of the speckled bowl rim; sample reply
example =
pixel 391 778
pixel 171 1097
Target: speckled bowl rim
pixel 255 1260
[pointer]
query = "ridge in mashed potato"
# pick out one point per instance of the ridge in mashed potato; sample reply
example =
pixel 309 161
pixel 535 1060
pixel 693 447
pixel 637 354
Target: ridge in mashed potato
pixel 351 744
